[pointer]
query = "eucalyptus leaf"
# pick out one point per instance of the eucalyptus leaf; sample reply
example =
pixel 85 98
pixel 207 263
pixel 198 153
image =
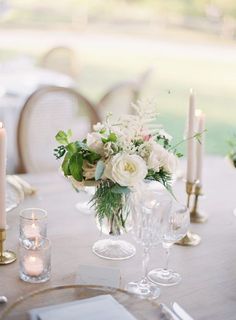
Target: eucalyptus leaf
pixel 99 169
pixel 119 189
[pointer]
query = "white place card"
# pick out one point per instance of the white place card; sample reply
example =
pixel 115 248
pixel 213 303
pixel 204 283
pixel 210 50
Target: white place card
pixel 100 276
pixel 103 307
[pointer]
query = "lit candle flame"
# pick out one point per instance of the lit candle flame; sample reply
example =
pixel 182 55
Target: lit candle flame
pixel 198 113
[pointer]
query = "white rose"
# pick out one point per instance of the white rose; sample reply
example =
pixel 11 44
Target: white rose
pixel 171 163
pixel 154 161
pixel 126 170
pixel 161 158
pixel 94 142
pixel 157 157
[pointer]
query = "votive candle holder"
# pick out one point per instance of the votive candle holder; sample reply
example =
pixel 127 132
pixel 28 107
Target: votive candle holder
pixel 33 224
pixel 35 260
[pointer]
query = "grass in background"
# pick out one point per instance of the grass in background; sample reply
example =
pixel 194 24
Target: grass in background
pixel 108 60
pixel 212 79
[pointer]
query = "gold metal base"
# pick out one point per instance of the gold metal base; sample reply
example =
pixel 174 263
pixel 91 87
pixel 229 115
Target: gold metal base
pixel 189 190
pixel 191 239
pixel 7 257
pixel 198 217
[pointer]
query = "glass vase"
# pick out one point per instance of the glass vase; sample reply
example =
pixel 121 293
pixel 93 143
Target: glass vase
pixel 113 247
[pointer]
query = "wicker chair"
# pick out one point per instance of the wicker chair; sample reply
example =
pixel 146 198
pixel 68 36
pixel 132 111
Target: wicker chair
pixel 119 98
pixel 47 111
pixel 61 59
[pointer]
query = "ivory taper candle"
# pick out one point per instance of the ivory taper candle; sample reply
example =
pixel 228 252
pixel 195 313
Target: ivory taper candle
pixel 200 145
pixel 190 142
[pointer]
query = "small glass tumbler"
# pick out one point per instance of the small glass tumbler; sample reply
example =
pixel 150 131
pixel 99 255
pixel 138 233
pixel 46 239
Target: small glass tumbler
pixel 33 224
pixel 35 260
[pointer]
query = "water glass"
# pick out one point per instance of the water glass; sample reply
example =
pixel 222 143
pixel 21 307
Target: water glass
pixel 147 205
pixel 172 226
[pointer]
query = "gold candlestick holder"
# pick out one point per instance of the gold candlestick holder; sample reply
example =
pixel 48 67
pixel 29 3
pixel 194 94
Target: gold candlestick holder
pixel 189 191
pixel 191 239
pixel 6 256
pixel 196 216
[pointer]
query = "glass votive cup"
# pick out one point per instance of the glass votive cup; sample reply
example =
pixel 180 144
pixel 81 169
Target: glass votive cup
pixel 33 224
pixel 35 260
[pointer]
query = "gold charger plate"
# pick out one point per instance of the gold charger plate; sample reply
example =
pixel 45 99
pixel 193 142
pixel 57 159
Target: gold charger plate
pixel 141 309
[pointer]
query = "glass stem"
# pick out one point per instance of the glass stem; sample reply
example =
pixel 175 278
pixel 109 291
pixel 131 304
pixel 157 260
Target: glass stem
pixel 145 262
pixel 167 252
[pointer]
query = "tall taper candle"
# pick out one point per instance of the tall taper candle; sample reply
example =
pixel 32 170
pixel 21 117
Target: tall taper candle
pixel 2 176
pixel 190 142
pixel 200 146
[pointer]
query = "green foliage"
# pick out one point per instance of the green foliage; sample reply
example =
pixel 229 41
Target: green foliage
pixel 59 152
pixel 161 176
pixel 165 142
pixel 111 138
pixel 65 164
pixel 110 204
pixel 75 153
pixel 63 137
pixel 76 166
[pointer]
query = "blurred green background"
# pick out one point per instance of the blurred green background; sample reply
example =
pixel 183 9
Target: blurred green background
pixel 188 43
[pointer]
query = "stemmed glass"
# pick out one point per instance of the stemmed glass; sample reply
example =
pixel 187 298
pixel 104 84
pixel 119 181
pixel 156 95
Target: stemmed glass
pixel 172 227
pixel 147 204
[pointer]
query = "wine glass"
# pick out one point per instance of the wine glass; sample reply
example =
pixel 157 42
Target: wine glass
pixel 147 204
pixel 172 227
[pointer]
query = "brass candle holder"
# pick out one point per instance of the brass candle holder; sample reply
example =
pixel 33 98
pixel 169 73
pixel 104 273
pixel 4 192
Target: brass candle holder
pixel 196 216
pixel 191 239
pixel 6 256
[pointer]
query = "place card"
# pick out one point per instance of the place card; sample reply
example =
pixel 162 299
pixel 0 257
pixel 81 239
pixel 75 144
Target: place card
pixel 103 307
pixel 99 276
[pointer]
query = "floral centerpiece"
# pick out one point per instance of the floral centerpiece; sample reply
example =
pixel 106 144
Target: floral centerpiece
pixel 117 157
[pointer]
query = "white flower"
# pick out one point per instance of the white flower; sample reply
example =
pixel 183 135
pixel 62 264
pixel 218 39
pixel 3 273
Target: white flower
pixel 157 157
pixel 154 161
pixel 161 158
pixel 98 126
pixel 171 163
pixel 94 142
pixel 126 170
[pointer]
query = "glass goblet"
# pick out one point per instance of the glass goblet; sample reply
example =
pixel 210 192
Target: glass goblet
pixel 146 207
pixel 172 227
pixel 86 195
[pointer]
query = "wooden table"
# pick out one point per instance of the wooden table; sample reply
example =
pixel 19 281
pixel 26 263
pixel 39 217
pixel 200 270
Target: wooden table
pixel 208 287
